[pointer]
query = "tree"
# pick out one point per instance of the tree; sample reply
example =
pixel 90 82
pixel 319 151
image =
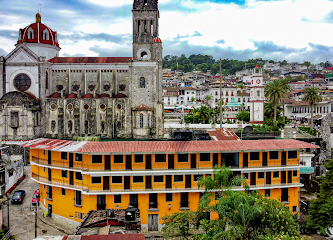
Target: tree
pixel 286 88
pixel 275 92
pixel 321 209
pixel 307 64
pixel 312 95
pixel 202 113
pixel 243 116
pixel 179 224
pixel 208 98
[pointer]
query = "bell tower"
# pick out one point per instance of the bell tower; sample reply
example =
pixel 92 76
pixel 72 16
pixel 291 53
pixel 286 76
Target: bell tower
pixel 146 71
pixel 257 96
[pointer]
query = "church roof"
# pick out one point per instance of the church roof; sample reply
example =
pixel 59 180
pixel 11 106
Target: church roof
pixel 157 40
pixel 90 59
pixel 142 107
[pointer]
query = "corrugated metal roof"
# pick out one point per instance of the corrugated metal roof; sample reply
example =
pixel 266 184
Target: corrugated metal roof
pixel 223 134
pixel 166 146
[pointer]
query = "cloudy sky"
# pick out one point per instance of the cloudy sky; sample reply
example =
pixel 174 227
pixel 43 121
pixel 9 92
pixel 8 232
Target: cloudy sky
pixel 295 30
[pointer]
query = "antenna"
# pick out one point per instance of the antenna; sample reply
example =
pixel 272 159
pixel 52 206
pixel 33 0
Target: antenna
pixel 40 9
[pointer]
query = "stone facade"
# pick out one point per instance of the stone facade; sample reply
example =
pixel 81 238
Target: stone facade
pixel 67 97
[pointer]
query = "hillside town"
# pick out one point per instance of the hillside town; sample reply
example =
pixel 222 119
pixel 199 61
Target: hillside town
pixel 155 146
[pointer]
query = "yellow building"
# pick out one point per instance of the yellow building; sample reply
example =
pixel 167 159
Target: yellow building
pixel 158 177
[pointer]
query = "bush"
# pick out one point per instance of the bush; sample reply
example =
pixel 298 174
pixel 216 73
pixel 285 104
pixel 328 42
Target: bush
pixel 312 132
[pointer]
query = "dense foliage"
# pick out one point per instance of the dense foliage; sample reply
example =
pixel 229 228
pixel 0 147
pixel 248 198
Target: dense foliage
pixel 321 209
pixel 313 132
pixel 204 63
pixel 240 214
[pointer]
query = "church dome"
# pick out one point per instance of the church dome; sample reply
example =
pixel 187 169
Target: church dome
pixel 38 33
pixel 157 40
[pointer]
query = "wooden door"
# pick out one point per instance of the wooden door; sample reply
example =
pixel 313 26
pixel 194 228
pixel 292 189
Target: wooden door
pixel 50 174
pixel 148 182
pixel 264 160
pixel 284 159
pixel 188 181
pixel 71 178
pixel 127 184
pixel 290 176
pixel 215 159
pixel 193 161
pixel 168 183
pixel 152 222
pixel 49 159
pixel 283 177
pixel 128 162
pixel 268 178
pixel 245 159
pixel 71 164
pixel 106 183
pixel 148 161
pixel 101 202
pixel 171 161
pixel 253 178
pixel 107 162
pixel 284 195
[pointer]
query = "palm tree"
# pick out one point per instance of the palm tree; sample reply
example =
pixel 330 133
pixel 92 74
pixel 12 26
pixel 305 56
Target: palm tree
pixel 286 87
pixel 202 113
pixel 275 92
pixel 208 98
pixel 312 95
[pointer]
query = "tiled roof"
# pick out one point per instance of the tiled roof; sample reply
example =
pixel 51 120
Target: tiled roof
pixel 142 107
pixel 223 134
pixel 90 59
pixel 165 146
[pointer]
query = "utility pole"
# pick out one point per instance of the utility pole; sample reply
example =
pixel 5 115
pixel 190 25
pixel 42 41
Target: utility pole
pixel 221 117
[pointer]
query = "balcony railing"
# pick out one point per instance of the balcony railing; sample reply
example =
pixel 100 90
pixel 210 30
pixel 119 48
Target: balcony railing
pixel 59 163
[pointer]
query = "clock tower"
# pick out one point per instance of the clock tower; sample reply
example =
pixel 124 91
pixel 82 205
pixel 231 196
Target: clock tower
pixel 257 97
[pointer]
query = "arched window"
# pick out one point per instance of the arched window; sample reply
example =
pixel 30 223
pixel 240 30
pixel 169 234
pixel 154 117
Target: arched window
pixel 142 82
pixel 148 120
pixel 86 126
pixel 141 120
pixel 46 35
pixel 258 93
pixel 134 120
pixel 53 125
pixel 31 34
pixel 70 127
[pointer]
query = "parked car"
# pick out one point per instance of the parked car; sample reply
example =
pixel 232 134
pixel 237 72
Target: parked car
pixel 18 196
pixel 36 198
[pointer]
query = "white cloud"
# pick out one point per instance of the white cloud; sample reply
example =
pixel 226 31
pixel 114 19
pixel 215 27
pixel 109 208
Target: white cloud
pixel 111 3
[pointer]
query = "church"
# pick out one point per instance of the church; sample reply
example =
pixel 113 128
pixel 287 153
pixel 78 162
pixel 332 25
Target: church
pixel 44 95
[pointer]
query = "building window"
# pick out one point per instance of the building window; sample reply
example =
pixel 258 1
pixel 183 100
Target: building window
pixel 46 35
pixel 78 157
pixel 197 177
pixel 117 198
pixel 294 208
pixel 292 154
pixel 30 33
pixel 78 176
pixel 134 119
pixel 182 157
pixel 168 197
pixel 159 178
pixel 64 155
pixel 49 192
pixel 141 120
pixel 295 173
pixel 254 156
pixel 96 159
pixel 245 175
pixel 96 180
pixel 160 157
pixel 178 178
pixel 274 155
pixel 78 199
pixel 138 158
pixel 137 179
pixel 118 159
pixel 261 175
pixel 267 192
pixel 148 120
pixel 142 82
pixel 63 191
pixel 276 174
pixel 44 169
pixel 204 157
pixel 117 179
pixel 64 174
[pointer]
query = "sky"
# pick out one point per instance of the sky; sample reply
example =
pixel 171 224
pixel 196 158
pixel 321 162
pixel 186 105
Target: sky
pixel 294 30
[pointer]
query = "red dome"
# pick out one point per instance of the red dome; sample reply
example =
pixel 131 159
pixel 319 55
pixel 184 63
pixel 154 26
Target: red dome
pixel 120 95
pixel 38 33
pixel 257 66
pixel 104 95
pixel 157 40
pixel 72 95
pixel 88 95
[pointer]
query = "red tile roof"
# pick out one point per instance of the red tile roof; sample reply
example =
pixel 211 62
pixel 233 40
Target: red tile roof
pixel 90 59
pixel 166 146
pixel 223 134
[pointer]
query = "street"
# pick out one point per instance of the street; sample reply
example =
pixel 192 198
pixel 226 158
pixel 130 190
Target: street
pixel 22 219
